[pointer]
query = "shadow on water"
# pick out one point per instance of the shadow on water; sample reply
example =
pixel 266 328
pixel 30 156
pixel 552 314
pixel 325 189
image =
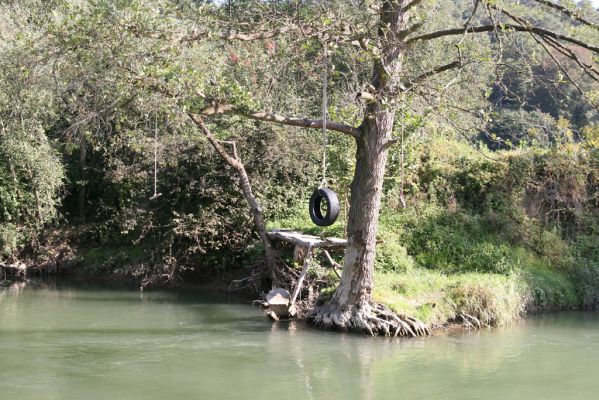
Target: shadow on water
pixel 126 292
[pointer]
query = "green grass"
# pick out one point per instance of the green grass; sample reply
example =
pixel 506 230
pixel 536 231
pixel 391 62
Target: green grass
pixel 436 298
pixel 436 265
pixel 299 220
pixel 495 299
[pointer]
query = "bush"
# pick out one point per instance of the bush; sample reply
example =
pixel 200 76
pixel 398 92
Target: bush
pixel 587 284
pixel 393 257
pixel 31 177
pixel 9 240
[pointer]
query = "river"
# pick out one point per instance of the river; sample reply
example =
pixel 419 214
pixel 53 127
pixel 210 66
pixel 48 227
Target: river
pixel 86 343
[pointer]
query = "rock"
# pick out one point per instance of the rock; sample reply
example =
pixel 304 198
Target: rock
pixel 278 302
pixel 278 296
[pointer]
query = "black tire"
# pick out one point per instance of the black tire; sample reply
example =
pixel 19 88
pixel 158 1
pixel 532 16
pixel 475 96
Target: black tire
pixel 332 207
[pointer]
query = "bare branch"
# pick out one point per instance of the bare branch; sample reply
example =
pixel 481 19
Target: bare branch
pixel 506 27
pixel 246 187
pixel 304 122
pixel 565 72
pixel 589 69
pixel 300 122
pixel 411 29
pixel 434 71
pixel 232 161
pixel 570 13
pixel 474 10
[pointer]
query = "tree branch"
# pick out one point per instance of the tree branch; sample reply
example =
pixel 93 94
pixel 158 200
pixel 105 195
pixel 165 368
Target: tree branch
pixel 246 187
pixel 517 28
pixel 570 13
pixel 589 69
pixel 216 109
pixel 434 71
pixel 411 5
pixel 232 161
pixel 243 37
pixel 565 72
pixel 303 122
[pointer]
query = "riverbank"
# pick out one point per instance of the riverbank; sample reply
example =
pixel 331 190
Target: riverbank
pixel 444 266
pixel 439 265
pixel 441 301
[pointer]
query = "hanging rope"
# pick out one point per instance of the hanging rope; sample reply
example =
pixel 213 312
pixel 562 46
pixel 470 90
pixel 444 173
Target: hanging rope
pixel 401 183
pixel 322 193
pixel 156 194
pixel 323 183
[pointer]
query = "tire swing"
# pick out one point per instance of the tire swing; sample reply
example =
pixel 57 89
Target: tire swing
pixel 322 194
pixel 332 209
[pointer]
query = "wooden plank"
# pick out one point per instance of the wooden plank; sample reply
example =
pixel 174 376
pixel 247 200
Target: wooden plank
pixel 299 254
pixel 301 278
pixel 304 240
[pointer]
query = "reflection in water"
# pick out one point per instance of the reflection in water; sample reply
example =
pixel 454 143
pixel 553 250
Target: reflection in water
pixel 68 343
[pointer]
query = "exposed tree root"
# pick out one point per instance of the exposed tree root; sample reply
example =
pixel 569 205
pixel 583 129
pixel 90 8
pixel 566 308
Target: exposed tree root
pixel 373 320
pixel 471 321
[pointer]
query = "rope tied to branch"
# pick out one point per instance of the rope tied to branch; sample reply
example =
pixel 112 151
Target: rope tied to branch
pixel 156 194
pixel 323 182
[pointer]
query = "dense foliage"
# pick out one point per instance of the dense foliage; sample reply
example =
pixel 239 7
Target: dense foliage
pixel 499 174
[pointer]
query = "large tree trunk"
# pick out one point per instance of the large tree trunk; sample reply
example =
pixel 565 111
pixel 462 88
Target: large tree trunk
pixel 351 307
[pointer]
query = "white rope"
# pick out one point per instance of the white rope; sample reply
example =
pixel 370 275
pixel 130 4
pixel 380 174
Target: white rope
pixel 156 194
pixel 403 120
pixel 155 153
pixel 323 183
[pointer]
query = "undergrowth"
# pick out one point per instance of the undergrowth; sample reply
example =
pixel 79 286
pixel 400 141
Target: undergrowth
pixel 439 265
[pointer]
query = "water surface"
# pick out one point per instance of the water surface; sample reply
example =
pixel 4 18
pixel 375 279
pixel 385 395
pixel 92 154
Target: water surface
pixel 74 343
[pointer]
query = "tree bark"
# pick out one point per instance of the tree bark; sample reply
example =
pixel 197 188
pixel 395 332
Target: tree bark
pixel 351 306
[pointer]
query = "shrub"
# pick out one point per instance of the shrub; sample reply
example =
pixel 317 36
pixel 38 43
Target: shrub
pixel 9 240
pixel 392 256
pixel 587 284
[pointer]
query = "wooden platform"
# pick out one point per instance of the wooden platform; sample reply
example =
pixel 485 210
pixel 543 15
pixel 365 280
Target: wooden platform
pixel 307 241
pixel 304 246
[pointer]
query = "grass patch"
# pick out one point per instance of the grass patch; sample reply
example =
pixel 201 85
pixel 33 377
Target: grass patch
pixel 299 220
pixel 436 264
pixel 437 298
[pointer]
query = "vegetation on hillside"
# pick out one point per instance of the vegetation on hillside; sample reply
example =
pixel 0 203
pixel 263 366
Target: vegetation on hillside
pixel 490 197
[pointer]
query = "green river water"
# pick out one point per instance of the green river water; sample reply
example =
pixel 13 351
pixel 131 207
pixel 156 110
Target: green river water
pixel 78 343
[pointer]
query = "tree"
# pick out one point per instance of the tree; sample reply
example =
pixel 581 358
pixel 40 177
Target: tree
pixel 396 36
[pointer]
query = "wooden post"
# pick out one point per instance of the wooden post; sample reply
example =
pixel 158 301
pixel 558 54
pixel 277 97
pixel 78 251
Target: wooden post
pixel 299 254
pixel 300 280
